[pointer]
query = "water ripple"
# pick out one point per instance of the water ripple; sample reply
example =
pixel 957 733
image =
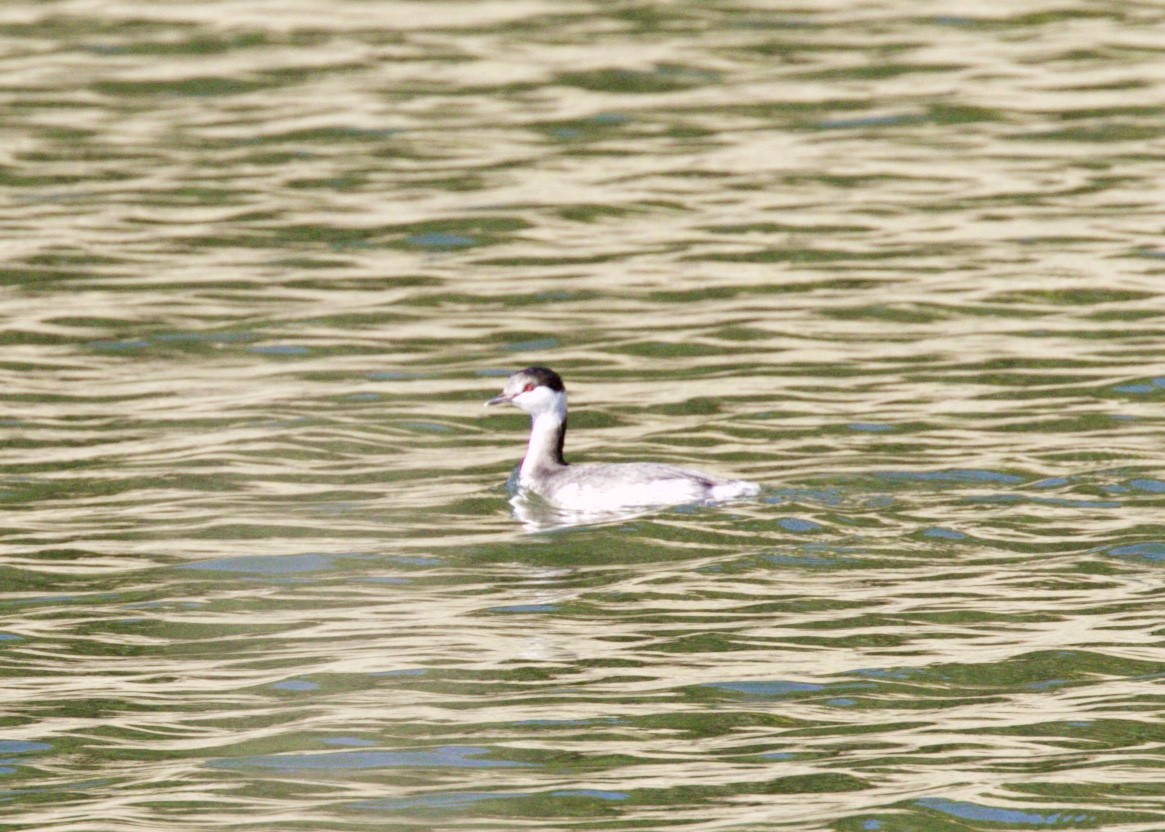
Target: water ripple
pixel 263 265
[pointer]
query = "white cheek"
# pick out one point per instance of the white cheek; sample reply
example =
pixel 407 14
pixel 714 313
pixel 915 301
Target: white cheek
pixel 538 400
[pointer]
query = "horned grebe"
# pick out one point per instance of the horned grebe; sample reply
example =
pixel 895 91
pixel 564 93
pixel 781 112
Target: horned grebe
pixel 598 487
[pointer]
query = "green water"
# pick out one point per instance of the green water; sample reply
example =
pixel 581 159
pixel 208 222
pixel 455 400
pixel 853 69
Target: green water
pixel 262 264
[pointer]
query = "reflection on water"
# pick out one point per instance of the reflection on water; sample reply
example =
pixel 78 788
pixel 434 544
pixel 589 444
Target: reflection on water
pixel 537 515
pixel 262 265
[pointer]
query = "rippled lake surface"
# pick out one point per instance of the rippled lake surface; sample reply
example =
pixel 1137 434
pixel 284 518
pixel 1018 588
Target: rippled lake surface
pixel 263 262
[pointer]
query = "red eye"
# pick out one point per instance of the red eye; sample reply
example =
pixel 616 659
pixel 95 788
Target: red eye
pixel 527 388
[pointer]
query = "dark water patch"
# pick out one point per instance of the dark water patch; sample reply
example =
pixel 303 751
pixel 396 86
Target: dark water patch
pixel 798 525
pixel 399 674
pixel 283 350
pixel 1153 552
pixel 955 476
pixel 966 810
pixel 266 564
pixel 197 87
pixel 1087 298
pixel 1105 133
pixel 662 78
pixel 426 427
pixel 338 134
pixel 1039 670
pixel 140 38
pixel 767 690
pixel 124 345
pixel 598 794
pixel 940 533
pixel 598 126
pixel 876 71
pixel 533 345
pixel 525 609
pixel 799 255
pixel 349 742
pixel 811 558
pixel 1064 502
pixel 22 747
pixel 859 123
pixel 462 232
pixel 1155 386
pixel 295 685
pixel 395 375
pixel 235 337
pixel 440 240
pixel 1150 486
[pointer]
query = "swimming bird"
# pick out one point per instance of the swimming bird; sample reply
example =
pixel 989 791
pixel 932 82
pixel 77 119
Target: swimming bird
pixel 598 486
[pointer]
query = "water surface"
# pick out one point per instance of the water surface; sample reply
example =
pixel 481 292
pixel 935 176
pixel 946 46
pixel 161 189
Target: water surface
pixel 262 265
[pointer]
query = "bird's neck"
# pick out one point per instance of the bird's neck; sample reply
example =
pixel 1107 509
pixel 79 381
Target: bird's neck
pixel 547 435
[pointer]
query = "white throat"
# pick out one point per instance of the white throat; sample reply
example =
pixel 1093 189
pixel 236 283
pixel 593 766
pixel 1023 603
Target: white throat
pixel 547 433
